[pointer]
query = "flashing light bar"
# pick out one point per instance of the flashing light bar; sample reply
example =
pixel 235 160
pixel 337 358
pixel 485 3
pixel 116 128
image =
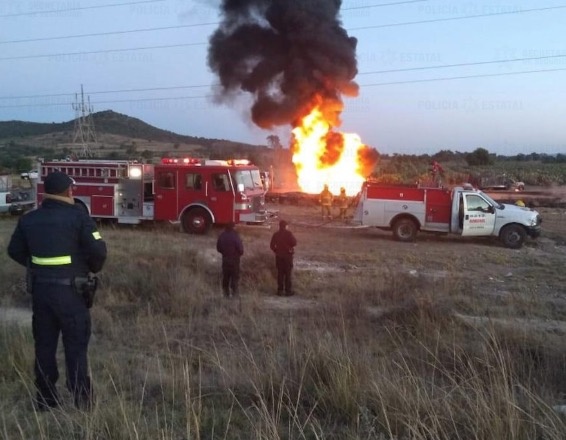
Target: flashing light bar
pixel 239 162
pixel 183 160
pixel 196 161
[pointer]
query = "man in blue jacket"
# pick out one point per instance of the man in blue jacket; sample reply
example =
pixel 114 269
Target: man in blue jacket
pixel 59 245
pixel 230 246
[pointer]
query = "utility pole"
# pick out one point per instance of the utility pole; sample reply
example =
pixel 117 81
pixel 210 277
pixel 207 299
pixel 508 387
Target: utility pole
pixel 84 134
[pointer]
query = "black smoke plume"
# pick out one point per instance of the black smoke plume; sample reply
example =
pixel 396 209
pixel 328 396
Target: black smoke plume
pixel 287 54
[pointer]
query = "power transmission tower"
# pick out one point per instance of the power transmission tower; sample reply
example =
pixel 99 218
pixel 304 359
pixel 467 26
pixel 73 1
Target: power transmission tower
pixel 84 134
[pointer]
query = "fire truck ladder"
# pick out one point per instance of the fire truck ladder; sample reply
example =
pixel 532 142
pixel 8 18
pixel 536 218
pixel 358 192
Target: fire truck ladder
pixel 87 169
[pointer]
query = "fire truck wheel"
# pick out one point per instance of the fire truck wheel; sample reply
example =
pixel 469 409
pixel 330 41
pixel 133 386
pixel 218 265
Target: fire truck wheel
pixel 405 229
pixel 196 221
pixel 513 236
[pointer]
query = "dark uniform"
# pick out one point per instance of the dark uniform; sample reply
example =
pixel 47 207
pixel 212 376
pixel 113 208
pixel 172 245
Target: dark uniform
pixel 57 243
pixel 230 246
pixel 283 244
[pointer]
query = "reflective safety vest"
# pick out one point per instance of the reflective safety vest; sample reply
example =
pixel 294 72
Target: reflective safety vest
pixel 51 261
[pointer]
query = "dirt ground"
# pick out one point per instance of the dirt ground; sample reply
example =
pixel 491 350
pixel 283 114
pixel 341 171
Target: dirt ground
pixel 478 268
pixel 482 265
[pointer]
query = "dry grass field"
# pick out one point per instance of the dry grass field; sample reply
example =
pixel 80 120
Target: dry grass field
pixel 444 338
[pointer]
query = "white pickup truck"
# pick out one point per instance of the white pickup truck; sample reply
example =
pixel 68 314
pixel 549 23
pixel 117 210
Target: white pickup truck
pixel 15 201
pixel 5 194
pixel 461 211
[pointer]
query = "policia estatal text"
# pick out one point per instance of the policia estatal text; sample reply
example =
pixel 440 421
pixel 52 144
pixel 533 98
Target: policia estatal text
pixel 60 245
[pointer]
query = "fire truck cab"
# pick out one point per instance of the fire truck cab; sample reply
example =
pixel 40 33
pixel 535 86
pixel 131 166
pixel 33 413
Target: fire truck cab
pixel 461 211
pixel 195 192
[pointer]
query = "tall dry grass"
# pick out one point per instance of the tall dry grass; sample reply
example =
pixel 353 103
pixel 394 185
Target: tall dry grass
pixel 368 350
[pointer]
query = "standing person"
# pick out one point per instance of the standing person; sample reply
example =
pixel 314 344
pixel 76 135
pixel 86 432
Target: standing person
pixel 343 204
pixel 437 171
pixel 59 244
pixel 283 244
pixel 230 246
pixel 326 202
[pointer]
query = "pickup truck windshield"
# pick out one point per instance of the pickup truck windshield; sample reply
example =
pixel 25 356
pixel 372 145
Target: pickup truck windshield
pixel 251 179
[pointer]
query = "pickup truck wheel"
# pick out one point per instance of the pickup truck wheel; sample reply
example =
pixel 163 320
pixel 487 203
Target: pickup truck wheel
pixel 196 221
pixel 513 236
pixel 405 229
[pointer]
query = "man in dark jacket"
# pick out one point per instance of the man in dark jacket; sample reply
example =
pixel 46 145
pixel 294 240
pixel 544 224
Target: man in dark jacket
pixel 230 246
pixel 59 244
pixel 283 244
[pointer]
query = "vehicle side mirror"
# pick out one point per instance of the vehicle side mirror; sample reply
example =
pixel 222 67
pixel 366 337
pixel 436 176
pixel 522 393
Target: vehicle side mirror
pixel 491 209
pixel 240 187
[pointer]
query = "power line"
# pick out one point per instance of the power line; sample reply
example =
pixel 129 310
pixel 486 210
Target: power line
pixel 80 8
pixel 465 17
pixel 130 31
pixel 111 101
pixel 382 4
pixel 476 63
pixel 21 57
pixel 91 52
pixel 54 95
pixel 99 34
pixel 451 78
pixel 194 86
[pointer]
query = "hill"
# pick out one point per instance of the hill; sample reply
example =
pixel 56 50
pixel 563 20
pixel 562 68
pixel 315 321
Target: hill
pixel 119 136
pixel 106 123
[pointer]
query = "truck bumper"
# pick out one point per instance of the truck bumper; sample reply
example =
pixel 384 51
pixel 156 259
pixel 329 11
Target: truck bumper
pixel 254 217
pixel 20 208
pixel 534 231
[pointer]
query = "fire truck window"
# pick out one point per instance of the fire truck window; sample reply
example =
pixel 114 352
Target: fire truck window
pixel 245 178
pixel 166 179
pixel 221 182
pixel 193 181
pixel 256 178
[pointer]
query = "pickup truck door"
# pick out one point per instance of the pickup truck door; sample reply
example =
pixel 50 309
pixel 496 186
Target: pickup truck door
pixel 479 216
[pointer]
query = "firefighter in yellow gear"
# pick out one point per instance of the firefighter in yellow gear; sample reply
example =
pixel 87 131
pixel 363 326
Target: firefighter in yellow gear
pixel 520 203
pixel 343 204
pixel 326 198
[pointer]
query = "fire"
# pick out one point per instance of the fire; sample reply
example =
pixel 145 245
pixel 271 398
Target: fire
pixel 323 156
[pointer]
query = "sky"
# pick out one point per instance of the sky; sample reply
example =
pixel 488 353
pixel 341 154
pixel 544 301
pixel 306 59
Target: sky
pixel 49 48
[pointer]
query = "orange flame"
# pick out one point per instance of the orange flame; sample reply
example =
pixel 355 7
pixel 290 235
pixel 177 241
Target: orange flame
pixel 322 156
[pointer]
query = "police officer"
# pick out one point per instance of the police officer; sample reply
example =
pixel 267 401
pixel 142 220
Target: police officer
pixel 58 243
pixel 283 244
pixel 231 247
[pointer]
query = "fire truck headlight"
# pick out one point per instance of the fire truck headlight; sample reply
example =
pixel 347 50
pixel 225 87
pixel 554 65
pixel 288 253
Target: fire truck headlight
pixel 135 172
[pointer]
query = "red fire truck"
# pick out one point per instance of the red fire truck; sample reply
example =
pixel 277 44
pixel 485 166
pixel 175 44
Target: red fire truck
pixel 463 211
pixel 195 192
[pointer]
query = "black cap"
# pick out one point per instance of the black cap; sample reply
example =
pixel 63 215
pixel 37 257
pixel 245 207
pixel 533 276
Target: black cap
pixel 283 224
pixel 230 225
pixel 57 182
